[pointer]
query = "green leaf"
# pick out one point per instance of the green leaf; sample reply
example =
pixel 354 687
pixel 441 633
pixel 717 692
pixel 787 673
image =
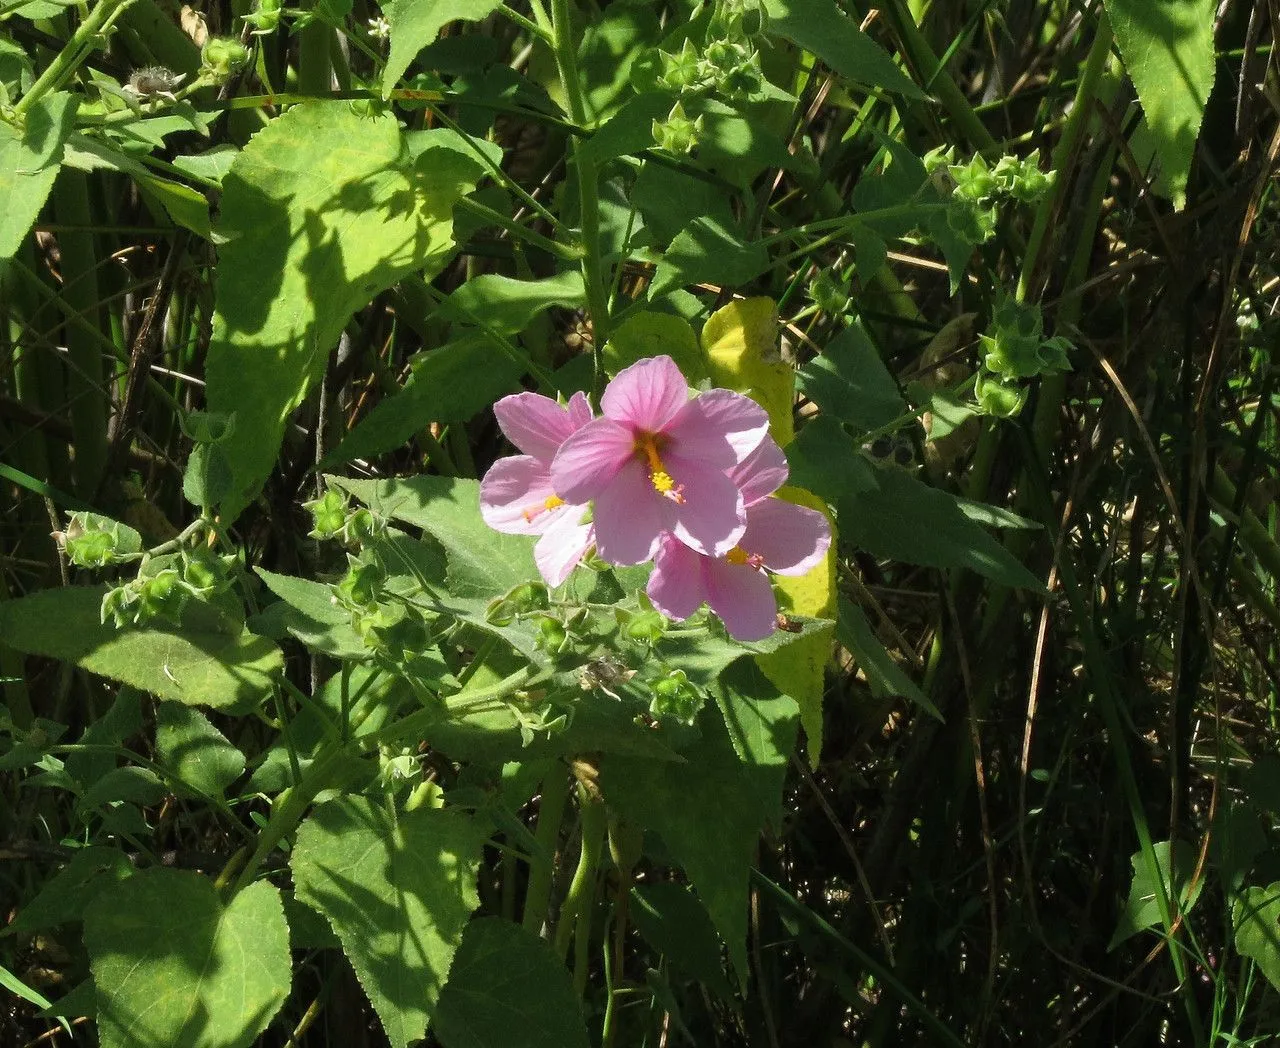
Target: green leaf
pixel 646 334
pixel 675 924
pixel 321 211
pixel 884 676
pixel 904 519
pixel 194 751
pixel 200 667
pixel 508 989
pixel 65 895
pixel 824 460
pixel 1142 911
pixel 762 724
pixel 29 161
pixel 482 562
pixel 448 384
pixel 398 888
pixel 1168 51
pixel 819 26
pixel 849 381
pixel 417 23
pixel 310 614
pixel 1256 916
pixel 708 252
pixel 175 967
pixel 708 813
pixel 507 305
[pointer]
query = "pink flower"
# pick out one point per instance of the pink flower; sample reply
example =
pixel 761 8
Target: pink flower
pixel 517 495
pixel 656 462
pixel 784 538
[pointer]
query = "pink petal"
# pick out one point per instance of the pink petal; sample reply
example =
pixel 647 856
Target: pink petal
pixel 537 425
pixel 743 598
pixel 563 544
pixel 719 427
pixel 712 517
pixel 646 395
pixel 790 538
pixel 676 585
pixel 513 487
pixel 590 459
pixel 630 516
pixel 579 411
pixel 762 472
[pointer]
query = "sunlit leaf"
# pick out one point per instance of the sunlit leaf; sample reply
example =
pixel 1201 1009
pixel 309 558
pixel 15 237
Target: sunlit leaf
pixel 398 888
pixel 175 967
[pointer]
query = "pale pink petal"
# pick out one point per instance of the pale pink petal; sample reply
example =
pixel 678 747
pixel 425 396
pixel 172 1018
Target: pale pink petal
pixel 712 517
pixel 537 425
pixel 590 459
pixel 762 472
pixel 647 395
pixel 579 411
pixel 676 585
pixel 630 517
pixel 743 598
pixel 513 496
pixel 790 538
pixel 719 427
pixel 563 544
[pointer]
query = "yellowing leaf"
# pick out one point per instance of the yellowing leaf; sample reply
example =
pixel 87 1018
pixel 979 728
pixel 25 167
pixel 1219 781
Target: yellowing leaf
pixel 741 340
pixel 797 669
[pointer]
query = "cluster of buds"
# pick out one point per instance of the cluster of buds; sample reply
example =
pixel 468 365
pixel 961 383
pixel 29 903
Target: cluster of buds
pixel 726 68
pixel 976 188
pixel 388 627
pixel 1014 349
pixel 165 585
pixel 333 518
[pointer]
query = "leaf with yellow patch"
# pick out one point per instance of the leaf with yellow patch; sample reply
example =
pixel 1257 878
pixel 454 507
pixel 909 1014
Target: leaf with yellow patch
pixel 797 669
pixel 741 341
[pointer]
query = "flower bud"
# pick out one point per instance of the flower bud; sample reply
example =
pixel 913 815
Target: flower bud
pixel 361 586
pixel 328 514
pixel 677 134
pixel 647 627
pixel 222 58
pixel 265 17
pixel 676 698
pixel 552 636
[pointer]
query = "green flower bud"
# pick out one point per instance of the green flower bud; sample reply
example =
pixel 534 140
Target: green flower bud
pixel 362 584
pixel 222 58
pixel 829 293
pixel 552 636
pixel 328 514
pixel 647 627
pixel 998 396
pixel 677 134
pixel 118 606
pixel 676 698
pixel 94 541
pixel 361 525
pixel 161 596
pixel 265 17
pixel 203 572
pixel 680 72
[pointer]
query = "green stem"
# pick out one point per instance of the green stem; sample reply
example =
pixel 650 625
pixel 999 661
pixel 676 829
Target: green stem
pixel 69 58
pixel 566 51
pixel 568 252
pixel 577 902
pixel 537 896
pixel 1081 114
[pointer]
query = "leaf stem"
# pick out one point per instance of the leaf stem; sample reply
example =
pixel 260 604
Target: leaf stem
pixel 76 51
pixel 565 47
pixel 537 896
pixel 577 901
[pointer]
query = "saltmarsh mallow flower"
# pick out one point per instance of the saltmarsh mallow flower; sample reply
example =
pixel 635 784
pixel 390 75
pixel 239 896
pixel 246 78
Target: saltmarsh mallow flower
pixel 517 495
pixel 657 461
pixel 780 537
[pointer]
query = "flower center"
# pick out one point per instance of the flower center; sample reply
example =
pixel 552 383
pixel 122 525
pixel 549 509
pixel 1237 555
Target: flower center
pixel 647 447
pixel 538 508
pixel 738 555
